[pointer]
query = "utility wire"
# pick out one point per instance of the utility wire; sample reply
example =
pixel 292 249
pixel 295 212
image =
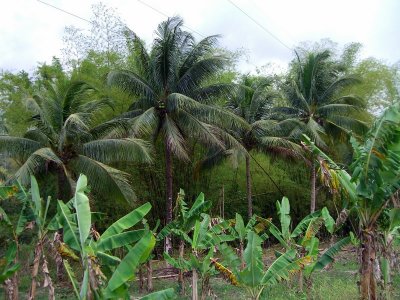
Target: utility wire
pixel 266 173
pixel 261 26
pixel 165 15
pixel 64 11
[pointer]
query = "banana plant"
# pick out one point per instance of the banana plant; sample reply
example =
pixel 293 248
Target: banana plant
pixel 204 241
pixel 38 211
pixel 105 276
pixel 240 230
pixel 374 181
pixel 182 224
pixel 303 237
pixel 33 216
pixel 254 277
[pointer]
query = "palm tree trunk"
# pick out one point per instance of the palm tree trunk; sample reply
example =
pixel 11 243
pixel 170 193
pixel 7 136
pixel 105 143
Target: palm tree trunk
pixel 368 256
pixel 248 186
pixel 313 180
pixel 168 176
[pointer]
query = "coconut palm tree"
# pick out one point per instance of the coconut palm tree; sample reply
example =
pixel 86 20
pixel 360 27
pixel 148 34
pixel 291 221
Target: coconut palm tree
pixel 174 101
pixel 313 96
pixel 63 139
pixel 254 100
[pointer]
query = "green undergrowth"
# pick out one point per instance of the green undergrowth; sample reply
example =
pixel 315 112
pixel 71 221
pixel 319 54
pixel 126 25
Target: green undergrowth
pixel 338 282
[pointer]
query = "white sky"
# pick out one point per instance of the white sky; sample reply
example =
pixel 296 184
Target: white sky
pixel 31 32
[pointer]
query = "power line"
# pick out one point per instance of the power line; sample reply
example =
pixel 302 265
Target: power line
pixel 261 26
pixel 64 11
pixel 165 15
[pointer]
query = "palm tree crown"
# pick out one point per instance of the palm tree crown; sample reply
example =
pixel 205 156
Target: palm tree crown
pixel 314 96
pixel 174 101
pixel 63 139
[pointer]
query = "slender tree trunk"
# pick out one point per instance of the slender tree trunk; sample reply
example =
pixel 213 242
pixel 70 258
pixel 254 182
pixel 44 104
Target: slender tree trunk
pixel 301 281
pixel 149 268
pixel 141 281
pixel 180 277
pixel 58 239
pixel 168 176
pixel 313 180
pixel 10 290
pixel 248 186
pixel 205 288
pixel 35 270
pixel 194 285
pixel 368 256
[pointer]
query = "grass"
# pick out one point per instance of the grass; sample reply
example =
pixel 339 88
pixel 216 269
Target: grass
pixel 339 282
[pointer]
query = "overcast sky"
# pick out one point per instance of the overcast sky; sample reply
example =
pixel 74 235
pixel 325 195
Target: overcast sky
pixel 31 32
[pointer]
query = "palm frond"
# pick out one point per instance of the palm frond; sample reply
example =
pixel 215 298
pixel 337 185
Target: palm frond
pixel 114 128
pixel 197 52
pixel 348 124
pixel 131 82
pixel 206 113
pixel 336 86
pixel 36 163
pixel 210 93
pixel 41 118
pixel 36 135
pixel 145 123
pixel 118 150
pixel 174 139
pixel 16 147
pixel 195 128
pixel 73 96
pixel 103 178
pixel 199 72
pixel 337 108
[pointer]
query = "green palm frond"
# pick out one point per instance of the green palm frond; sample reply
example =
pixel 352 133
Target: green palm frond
pixel 74 96
pixel 336 86
pixel 197 52
pixel 145 123
pixel 16 147
pixel 207 113
pixel 103 178
pixel 141 59
pixel 95 105
pixel 117 150
pixel 338 108
pixel 199 72
pixel 130 82
pixel 210 93
pixel 192 126
pixel 36 163
pixel 347 123
pixel 36 135
pixel 174 139
pixel 41 118
pixel 114 128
